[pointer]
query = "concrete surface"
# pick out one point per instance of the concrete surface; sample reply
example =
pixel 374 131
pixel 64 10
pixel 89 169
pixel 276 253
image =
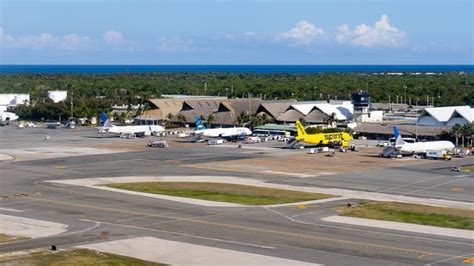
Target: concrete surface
pixel 432 230
pixel 179 253
pixel 95 182
pixel 295 232
pixel 33 228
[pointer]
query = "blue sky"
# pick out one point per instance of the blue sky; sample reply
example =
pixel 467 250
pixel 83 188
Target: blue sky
pixel 236 32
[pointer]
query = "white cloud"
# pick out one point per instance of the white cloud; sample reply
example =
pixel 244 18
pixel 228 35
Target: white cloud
pixel 112 36
pixel 74 41
pixel 381 34
pixel 5 38
pixel 70 41
pixel 174 44
pixel 303 33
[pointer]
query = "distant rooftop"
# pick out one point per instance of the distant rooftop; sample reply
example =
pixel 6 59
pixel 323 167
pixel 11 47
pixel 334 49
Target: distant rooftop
pixel 182 96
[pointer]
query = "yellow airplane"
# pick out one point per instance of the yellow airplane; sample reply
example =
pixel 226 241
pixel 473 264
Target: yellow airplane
pixel 338 138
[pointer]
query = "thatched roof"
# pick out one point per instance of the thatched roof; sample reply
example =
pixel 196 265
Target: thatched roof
pixel 166 106
pixel 237 106
pixel 316 116
pixel 151 114
pixel 290 116
pixel 274 108
pixel 405 130
pixel 228 111
pixel 205 106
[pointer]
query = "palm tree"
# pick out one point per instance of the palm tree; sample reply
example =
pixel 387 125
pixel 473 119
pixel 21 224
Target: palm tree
pixel 170 117
pixel 331 120
pixel 467 132
pixel 242 118
pixel 210 119
pixel 456 131
pixel 181 118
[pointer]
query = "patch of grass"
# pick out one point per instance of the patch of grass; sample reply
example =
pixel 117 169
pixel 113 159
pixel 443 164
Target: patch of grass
pixel 241 194
pixel 467 169
pixel 75 257
pixel 8 238
pixel 413 213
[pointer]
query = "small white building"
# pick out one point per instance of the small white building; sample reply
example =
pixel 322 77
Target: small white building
pixel 369 117
pixel 57 96
pixel 12 100
pixel 446 116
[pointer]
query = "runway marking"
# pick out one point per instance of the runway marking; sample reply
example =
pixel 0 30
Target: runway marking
pixel 10 210
pixel 304 214
pixel 182 234
pixel 469 260
pixel 363 230
pixel 426 188
pixel 287 174
pixel 463 175
pixel 410 184
pixel 452 258
pixel 425 255
pixel 262 231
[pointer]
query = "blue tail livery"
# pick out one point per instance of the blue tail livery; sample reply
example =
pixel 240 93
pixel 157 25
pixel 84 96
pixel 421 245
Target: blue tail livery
pixel 199 124
pixel 398 138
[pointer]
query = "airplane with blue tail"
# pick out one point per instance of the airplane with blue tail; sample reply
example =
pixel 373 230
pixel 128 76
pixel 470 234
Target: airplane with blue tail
pixel 419 147
pixel 229 132
pixel 137 130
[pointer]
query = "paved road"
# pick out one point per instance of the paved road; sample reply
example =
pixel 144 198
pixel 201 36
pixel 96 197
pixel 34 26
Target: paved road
pixel 287 232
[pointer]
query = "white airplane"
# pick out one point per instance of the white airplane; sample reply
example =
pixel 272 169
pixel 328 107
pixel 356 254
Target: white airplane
pixel 139 130
pixel 419 147
pixel 7 117
pixel 220 132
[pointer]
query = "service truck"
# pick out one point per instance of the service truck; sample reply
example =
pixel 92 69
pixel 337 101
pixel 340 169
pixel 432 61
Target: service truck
pixel 438 154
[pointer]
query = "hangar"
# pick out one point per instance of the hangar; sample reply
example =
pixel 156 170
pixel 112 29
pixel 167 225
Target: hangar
pixel 446 116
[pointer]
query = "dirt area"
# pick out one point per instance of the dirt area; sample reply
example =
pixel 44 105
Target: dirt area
pixel 305 163
pixel 137 144
pixel 8 238
pixel 72 257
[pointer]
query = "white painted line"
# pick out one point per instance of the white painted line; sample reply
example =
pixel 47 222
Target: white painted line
pixel 415 228
pixel 438 185
pixel 179 253
pixel 452 258
pixel 362 231
pixel 26 227
pixel 183 234
pixel 10 210
pixel 288 174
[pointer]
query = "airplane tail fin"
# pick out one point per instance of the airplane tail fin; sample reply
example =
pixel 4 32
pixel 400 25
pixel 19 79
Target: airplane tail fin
pixel 199 124
pixel 300 129
pixel 398 138
pixel 105 121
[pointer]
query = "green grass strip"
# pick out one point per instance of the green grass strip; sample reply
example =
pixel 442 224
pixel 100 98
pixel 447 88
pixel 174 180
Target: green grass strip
pixel 412 213
pixel 241 194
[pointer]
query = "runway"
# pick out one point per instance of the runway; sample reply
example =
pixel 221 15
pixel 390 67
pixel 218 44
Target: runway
pixel 288 232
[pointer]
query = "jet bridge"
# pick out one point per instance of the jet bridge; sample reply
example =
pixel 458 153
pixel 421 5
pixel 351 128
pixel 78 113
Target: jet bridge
pixel 196 137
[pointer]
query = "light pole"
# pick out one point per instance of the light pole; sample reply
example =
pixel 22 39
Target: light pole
pixel 405 87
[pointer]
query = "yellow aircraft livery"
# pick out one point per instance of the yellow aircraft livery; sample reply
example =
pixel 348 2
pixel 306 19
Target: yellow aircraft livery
pixel 322 138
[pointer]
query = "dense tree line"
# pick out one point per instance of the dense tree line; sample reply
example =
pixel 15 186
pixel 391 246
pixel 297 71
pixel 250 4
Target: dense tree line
pixel 94 92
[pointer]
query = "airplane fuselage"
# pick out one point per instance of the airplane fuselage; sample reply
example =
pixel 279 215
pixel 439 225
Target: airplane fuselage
pixel 144 129
pixel 422 147
pixel 224 132
pixel 325 138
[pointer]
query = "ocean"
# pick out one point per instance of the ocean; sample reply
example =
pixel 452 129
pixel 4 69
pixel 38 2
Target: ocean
pixel 256 69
